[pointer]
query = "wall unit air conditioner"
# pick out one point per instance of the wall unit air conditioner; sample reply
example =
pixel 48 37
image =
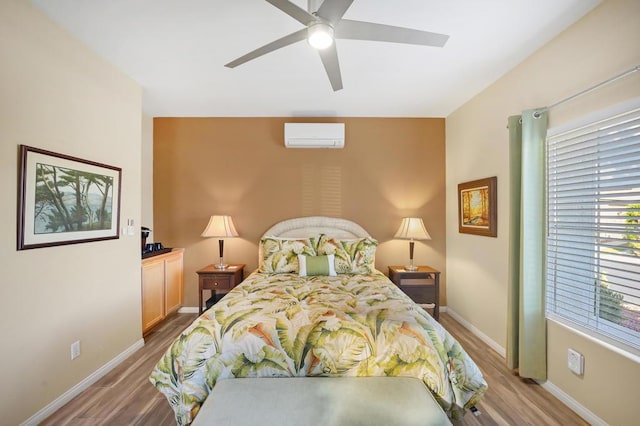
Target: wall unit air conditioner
pixel 314 135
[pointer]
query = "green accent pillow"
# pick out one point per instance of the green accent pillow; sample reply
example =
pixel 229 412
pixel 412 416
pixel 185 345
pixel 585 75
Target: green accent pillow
pixel 316 265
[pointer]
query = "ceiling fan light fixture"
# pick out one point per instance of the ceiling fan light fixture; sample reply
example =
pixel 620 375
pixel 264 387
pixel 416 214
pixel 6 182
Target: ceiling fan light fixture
pixel 320 35
pixel 321 18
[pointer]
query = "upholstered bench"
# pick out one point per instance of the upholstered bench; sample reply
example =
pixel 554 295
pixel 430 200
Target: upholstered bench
pixel 307 401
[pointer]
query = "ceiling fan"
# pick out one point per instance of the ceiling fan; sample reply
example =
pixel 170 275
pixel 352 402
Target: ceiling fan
pixel 324 24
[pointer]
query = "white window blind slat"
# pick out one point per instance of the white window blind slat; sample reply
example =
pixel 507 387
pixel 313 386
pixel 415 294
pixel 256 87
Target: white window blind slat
pixel 585 174
pixel 604 143
pixel 617 122
pixel 593 228
pixel 586 160
pixel 612 145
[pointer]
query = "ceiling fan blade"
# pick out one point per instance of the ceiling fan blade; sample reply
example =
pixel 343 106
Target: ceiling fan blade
pixel 274 45
pixel 333 10
pixel 329 57
pixel 357 30
pixel 294 11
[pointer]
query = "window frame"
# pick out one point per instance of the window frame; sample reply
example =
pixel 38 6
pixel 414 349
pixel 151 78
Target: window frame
pixel 608 330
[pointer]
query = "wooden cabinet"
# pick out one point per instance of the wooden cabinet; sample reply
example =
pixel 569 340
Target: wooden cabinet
pixel 421 285
pixel 152 293
pixel 162 287
pixel 174 285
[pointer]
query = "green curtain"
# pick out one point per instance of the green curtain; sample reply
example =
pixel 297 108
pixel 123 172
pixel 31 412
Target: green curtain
pixel 526 329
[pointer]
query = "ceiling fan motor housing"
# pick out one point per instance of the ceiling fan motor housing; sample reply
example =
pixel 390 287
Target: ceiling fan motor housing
pixel 320 35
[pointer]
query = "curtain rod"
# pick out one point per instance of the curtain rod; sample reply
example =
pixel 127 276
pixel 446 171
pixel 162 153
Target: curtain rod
pixel 597 86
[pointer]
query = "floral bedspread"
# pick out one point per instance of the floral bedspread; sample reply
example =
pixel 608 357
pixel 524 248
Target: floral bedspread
pixel 281 325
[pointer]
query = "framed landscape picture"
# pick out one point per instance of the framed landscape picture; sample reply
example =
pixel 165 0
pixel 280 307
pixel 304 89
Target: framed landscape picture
pixel 477 207
pixel 65 200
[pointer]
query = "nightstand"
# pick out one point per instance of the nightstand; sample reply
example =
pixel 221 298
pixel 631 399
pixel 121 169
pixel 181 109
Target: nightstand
pixel 421 285
pixel 218 280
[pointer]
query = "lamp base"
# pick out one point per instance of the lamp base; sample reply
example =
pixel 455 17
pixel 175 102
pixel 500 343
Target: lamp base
pixel 411 268
pixel 221 266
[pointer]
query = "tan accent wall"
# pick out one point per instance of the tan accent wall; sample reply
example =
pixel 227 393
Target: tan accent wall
pixel 601 45
pixel 389 168
pixel 60 96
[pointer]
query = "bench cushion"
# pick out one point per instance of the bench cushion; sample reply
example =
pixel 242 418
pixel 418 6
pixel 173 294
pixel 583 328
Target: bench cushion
pixel 300 401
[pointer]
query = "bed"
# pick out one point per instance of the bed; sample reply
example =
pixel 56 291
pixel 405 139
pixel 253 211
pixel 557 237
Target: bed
pixel 316 306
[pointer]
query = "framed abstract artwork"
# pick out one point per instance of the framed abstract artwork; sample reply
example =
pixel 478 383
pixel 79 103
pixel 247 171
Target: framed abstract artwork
pixel 65 200
pixel 477 207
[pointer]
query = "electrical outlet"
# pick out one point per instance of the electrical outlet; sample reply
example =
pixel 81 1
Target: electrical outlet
pixel 575 362
pixel 75 349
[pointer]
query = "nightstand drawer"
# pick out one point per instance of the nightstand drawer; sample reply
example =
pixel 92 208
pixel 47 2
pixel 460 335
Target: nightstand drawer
pixel 420 293
pixel 218 282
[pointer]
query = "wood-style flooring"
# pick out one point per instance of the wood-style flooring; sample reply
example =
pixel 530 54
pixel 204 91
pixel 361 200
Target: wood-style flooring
pixel 126 397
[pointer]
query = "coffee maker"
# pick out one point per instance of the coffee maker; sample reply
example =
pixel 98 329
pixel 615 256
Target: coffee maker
pixel 151 249
pixel 144 231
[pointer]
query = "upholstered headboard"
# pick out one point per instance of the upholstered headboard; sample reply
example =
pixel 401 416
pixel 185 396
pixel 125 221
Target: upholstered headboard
pixel 303 227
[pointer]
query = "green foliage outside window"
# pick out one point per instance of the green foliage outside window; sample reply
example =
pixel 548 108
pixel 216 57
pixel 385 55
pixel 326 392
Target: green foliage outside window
pixel 633 218
pixel 610 303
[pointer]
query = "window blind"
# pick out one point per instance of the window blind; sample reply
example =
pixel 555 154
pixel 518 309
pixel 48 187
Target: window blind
pixel 593 235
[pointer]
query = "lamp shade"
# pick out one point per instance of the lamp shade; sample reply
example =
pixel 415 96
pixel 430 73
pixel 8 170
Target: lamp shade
pixel 412 228
pixel 220 226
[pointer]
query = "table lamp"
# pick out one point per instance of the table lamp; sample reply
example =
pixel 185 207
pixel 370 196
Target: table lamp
pixel 412 228
pixel 220 226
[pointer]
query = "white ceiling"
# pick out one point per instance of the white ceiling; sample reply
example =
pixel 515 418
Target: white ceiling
pixel 176 50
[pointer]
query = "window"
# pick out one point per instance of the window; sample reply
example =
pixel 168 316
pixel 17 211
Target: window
pixel 593 231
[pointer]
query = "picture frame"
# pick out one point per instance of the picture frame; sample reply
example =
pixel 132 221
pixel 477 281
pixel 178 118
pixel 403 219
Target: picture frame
pixel 65 200
pixel 477 207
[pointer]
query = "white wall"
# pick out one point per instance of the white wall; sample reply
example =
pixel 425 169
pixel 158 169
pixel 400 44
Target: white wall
pixel 147 174
pixel 604 43
pixel 57 95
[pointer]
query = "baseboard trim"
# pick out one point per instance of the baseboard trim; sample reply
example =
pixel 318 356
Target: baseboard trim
pixel 574 405
pixel 476 331
pixel 59 402
pixel 567 400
